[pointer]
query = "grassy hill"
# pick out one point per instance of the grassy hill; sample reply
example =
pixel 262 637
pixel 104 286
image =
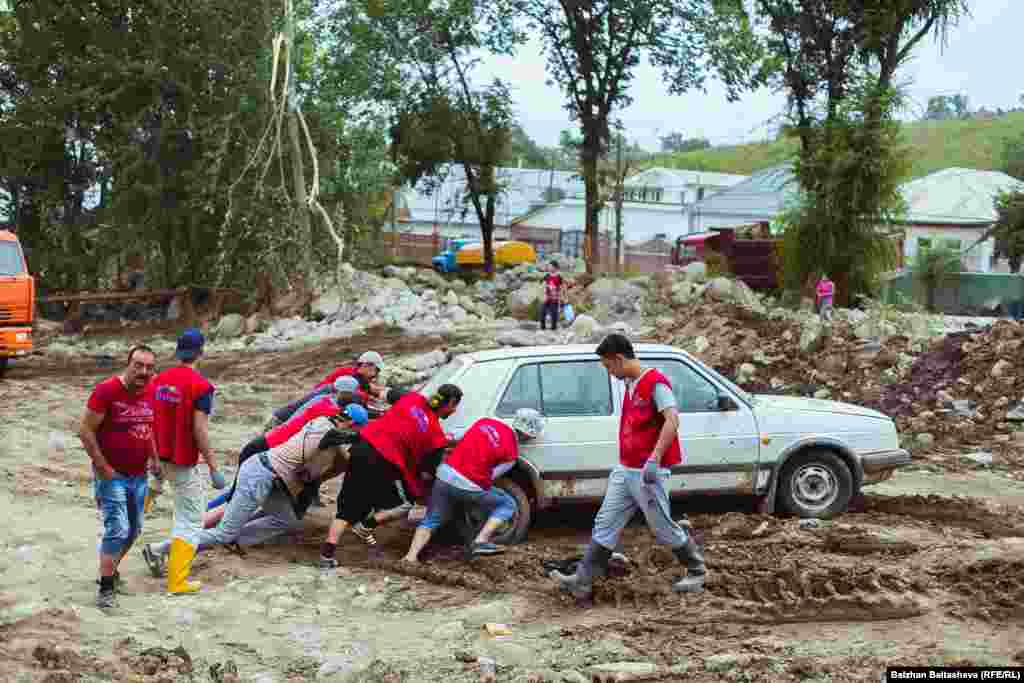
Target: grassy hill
pixel 934 145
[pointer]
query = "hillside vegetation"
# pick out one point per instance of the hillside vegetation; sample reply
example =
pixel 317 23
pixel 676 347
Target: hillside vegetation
pixel 933 145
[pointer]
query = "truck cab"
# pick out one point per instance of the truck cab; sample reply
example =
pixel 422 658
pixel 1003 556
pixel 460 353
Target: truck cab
pixel 445 262
pixel 17 300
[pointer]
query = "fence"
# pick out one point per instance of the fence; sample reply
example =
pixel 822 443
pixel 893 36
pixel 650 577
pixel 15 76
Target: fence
pixel 964 294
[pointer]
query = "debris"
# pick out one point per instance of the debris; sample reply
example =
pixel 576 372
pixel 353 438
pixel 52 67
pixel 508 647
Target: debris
pixel 982 458
pixel 497 629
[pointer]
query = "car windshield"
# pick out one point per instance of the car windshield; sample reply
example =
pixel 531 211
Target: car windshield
pixel 10 259
pixel 442 376
pixel 749 398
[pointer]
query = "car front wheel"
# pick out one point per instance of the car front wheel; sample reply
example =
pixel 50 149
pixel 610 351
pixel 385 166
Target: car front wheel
pixel 512 532
pixel 816 483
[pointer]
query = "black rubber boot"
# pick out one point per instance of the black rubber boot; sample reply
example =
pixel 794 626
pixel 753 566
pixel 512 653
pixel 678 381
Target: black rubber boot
pixel 690 555
pixel 581 584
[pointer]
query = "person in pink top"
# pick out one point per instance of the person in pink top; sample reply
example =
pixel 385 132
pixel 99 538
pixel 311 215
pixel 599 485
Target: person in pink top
pixel 826 290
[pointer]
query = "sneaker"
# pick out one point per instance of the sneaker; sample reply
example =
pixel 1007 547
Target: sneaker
pixel 155 561
pixel 487 549
pixel 106 599
pixel 366 534
pixel 328 563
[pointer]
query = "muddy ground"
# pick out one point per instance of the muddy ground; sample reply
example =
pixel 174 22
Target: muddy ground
pixel 929 569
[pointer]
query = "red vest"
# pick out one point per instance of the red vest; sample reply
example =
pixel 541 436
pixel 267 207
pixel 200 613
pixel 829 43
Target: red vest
pixel 487 444
pixel 404 434
pixel 175 394
pixel 641 424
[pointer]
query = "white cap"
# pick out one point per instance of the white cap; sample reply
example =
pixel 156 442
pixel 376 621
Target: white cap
pixel 529 422
pixel 346 383
pixel 372 358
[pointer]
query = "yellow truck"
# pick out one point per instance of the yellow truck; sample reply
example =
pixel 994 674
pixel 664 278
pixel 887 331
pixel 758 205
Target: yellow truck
pixel 17 300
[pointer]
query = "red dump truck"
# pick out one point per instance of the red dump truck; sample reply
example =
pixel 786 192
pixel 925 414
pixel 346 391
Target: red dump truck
pixel 752 260
pixel 17 300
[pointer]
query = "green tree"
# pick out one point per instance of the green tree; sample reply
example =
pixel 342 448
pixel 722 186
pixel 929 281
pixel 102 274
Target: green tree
pixel 1009 229
pixel 676 142
pixel 940 108
pixel 1013 157
pixel 593 49
pixel 838 63
pixel 934 267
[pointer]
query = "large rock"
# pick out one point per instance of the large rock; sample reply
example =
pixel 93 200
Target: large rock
pixel 721 289
pixel 451 298
pixel 255 324
pixel 583 328
pixel 427 361
pixel 619 296
pixel 520 301
pixel 516 338
pixel 431 279
pixel 696 271
pixel 327 304
pixel 683 293
pixel 232 325
pixel 484 310
pixel 457 314
pixel 812 337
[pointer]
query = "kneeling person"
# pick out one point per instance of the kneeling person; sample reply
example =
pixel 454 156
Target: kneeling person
pixel 487 451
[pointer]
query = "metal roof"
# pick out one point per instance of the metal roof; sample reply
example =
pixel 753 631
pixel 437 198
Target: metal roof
pixel 956 196
pixel 762 195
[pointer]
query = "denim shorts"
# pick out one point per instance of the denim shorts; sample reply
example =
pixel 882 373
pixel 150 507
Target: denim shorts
pixel 120 501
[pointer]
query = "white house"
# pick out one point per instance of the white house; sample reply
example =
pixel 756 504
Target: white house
pixel 760 198
pixel 954 208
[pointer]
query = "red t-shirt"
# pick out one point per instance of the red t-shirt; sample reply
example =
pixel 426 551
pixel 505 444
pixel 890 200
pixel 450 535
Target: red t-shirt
pixel 176 391
pixel 404 434
pixel 552 288
pixel 487 444
pixel 341 372
pixel 126 433
pixel 325 406
pixel 641 424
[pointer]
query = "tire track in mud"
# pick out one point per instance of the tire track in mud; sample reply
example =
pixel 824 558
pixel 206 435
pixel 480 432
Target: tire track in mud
pixel 990 590
pixel 989 520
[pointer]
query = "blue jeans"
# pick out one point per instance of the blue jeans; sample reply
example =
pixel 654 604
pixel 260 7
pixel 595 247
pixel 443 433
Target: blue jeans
pixel 628 493
pixel 550 309
pixel 443 497
pixel 121 502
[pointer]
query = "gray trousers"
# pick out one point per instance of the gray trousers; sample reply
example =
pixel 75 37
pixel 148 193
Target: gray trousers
pixel 625 495
pixel 255 485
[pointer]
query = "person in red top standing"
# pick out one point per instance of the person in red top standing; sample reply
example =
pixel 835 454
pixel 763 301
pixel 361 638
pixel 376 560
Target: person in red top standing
pixel 183 402
pixel 390 449
pixel 648 448
pixel 117 432
pixel 554 288
pixel 486 451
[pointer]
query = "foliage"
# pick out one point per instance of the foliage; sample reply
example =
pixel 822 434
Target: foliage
pixel 838 62
pixel 1013 156
pixel 930 146
pixel 675 143
pixel 593 49
pixel 1009 229
pixel 934 267
pixel 943 107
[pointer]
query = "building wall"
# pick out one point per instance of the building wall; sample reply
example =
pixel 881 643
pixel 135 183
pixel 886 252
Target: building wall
pixel 977 260
pixel 964 295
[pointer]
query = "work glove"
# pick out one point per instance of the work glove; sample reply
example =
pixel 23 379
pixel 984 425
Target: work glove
pixel 651 472
pixel 217 479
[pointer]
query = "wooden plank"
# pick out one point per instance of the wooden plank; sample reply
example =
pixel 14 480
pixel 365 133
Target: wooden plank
pixel 132 296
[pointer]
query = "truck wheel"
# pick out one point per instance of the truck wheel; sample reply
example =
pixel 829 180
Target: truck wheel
pixel 471 519
pixel 816 483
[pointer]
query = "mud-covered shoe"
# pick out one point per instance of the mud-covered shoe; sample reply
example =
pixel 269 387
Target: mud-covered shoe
pixel 479 549
pixel 106 598
pixel 155 561
pixel 692 557
pixel 326 563
pixel 577 586
pixel 360 530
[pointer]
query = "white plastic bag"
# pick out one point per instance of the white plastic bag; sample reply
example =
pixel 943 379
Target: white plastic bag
pixel 567 313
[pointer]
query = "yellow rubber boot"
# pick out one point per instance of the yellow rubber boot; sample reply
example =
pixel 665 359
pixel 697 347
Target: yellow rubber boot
pixel 178 566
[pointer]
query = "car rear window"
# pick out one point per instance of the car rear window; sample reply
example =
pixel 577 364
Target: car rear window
pixel 569 389
pixel 10 259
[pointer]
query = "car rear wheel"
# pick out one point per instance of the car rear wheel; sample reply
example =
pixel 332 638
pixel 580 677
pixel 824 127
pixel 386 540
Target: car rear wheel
pixel 816 483
pixel 471 519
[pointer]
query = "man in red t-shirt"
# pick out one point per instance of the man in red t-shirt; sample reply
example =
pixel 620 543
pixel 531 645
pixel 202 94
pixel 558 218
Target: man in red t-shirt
pixel 554 288
pixel 648 449
pixel 117 432
pixel 390 449
pixel 487 450
pixel 182 404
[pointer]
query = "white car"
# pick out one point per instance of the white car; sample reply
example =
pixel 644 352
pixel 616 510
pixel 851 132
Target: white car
pixel 811 456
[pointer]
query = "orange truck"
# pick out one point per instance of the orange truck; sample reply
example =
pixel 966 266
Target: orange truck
pixel 17 300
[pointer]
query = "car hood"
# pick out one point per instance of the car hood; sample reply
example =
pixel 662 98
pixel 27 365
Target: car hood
pixel 798 404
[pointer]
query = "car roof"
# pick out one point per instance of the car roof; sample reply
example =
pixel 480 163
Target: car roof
pixel 558 350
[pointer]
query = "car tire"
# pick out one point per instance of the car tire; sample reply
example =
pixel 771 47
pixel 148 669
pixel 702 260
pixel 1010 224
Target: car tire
pixel 470 521
pixel 815 483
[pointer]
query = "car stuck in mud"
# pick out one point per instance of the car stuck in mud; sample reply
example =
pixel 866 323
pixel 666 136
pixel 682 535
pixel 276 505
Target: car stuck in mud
pixel 807 457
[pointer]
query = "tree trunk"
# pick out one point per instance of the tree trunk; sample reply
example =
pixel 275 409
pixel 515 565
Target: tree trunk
pixel 593 211
pixel 302 209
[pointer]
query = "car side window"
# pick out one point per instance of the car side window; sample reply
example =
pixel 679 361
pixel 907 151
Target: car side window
pixel 559 390
pixel 522 392
pixel 575 388
pixel 694 394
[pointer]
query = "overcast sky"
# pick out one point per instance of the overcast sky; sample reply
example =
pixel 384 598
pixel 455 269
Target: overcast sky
pixel 979 61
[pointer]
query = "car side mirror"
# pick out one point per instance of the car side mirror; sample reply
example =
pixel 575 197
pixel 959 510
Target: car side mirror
pixel 726 404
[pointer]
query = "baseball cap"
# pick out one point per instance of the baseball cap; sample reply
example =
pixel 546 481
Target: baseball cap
pixel 357 413
pixel 346 383
pixel 372 358
pixel 529 422
pixel 190 344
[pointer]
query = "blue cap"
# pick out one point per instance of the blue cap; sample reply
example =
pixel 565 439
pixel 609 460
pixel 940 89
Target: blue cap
pixel 357 413
pixel 190 344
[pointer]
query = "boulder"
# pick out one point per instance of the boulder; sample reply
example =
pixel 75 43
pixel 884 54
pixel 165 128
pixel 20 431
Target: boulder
pixel 812 337
pixel 451 298
pixel 327 304
pixel 721 289
pixel 683 293
pixel 583 328
pixel 484 310
pixel 1016 414
pixel 516 338
pixel 619 296
pixel 696 271
pixel 745 373
pixel 520 301
pixel 427 361
pixel 255 324
pixel 457 314
pixel 230 326
pixel 701 344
